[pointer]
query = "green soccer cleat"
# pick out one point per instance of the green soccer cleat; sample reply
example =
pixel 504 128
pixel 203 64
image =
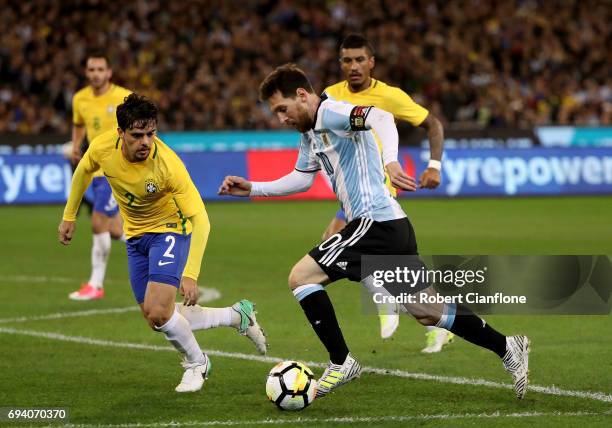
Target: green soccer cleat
pixel 249 326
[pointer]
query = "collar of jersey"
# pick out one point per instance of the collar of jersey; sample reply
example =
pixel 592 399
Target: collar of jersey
pixel 111 88
pixel 314 122
pixel 373 83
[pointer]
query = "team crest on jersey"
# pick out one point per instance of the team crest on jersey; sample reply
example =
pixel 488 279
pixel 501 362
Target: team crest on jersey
pixel 150 187
pixel 358 117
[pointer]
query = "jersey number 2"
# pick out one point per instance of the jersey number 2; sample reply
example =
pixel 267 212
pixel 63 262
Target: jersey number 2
pixel 131 198
pixel 172 241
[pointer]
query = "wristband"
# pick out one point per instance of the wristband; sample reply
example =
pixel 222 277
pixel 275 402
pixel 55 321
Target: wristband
pixel 435 164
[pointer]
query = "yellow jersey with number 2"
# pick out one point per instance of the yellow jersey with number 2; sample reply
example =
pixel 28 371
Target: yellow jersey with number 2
pixel 156 195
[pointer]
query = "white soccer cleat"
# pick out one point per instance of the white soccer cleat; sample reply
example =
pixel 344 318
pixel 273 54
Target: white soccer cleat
pixel 249 326
pixel 516 362
pixel 194 376
pixel 436 339
pixel 388 315
pixel 336 375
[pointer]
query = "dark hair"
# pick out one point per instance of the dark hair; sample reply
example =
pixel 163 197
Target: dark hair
pixel 96 54
pixel 357 41
pixel 136 111
pixel 286 79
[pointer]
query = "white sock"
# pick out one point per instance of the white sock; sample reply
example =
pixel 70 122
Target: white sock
pixel 99 258
pixel 430 328
pixel 202 318
pixel 178 333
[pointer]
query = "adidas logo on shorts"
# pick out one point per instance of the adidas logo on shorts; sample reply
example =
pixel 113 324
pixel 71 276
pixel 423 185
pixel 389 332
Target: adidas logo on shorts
pixel 342 265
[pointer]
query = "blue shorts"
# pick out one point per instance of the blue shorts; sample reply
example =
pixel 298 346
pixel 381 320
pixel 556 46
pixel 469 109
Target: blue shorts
pixel 104 201
pixel 158 257
pixel 340 215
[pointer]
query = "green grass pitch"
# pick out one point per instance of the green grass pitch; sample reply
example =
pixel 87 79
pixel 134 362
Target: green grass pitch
pixel 84 363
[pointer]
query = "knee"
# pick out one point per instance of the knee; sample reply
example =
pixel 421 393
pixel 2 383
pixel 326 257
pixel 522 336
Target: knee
pixel 116 234
pixel 116 227
pixel 295 278
pixel 98 227
pixel 156 315
pixel 99 223
pixel 306 271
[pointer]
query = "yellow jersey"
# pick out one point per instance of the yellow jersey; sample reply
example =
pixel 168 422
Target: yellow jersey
pixel 97 113
pixel 154 196
pixel 384 97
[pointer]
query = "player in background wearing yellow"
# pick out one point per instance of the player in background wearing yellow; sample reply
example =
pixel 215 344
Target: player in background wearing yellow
pixel 167 229
pixel 359 88
pixel 93 113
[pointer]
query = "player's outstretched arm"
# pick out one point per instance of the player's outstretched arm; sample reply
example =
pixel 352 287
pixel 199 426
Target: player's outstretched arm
pixel 294 182
pixel 235 186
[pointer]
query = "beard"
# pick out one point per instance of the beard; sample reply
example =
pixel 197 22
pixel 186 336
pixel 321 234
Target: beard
pixel 98 83
pixel 304 122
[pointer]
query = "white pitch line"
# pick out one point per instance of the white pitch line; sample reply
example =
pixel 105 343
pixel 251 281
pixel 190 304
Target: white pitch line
pixel 339 420
pixel 206 295
pixel 42 279
pixel 596 396
pixel 74 314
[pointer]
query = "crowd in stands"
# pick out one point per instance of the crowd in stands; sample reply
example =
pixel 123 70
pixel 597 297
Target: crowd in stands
pixel 474 63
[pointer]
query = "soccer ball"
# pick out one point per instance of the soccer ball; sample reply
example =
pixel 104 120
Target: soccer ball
pixel 291 385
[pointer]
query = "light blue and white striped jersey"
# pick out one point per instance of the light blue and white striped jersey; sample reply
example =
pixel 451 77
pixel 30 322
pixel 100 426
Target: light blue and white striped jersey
pixel 350 158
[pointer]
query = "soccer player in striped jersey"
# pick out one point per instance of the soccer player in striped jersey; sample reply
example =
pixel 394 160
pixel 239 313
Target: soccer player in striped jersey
pixel 337 138
pixel 360 88
pixel 167 229
pixel 93 113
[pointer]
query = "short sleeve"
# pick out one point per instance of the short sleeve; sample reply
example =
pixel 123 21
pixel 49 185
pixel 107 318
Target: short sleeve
pixel 77 118
pixel 307 161
pixel 404 108
pixel 124 93
pixel 344 117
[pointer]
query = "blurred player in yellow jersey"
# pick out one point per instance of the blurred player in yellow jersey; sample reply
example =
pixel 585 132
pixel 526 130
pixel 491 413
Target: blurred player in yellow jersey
pixel 167 229
pixel 93 113
pixel 360 88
